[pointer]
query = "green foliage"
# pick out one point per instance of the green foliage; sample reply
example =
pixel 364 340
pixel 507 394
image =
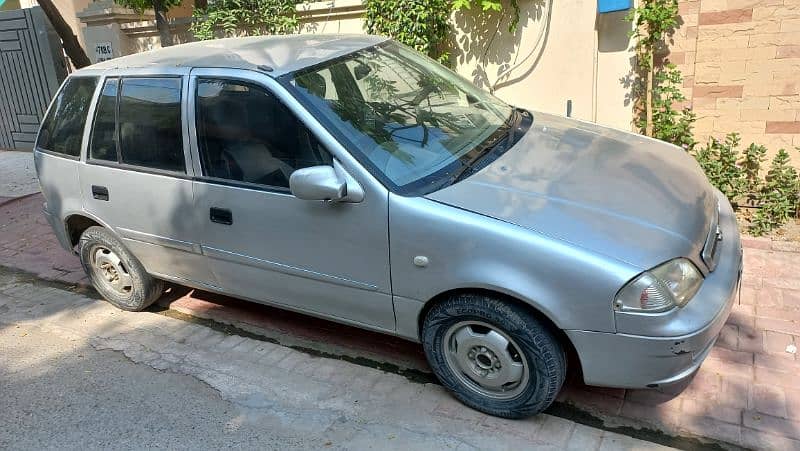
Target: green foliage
pixel 654 20
pixel 739 177
pixel 420 24
pixel 719 160
pixel 141 5
pixel 778 196
pixel 492 5
pixel 225 18
pixel 670 125
pixel 657 89
pixel 754 155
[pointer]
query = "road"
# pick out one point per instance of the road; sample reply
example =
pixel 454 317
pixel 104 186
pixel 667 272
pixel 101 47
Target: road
pixel 78 373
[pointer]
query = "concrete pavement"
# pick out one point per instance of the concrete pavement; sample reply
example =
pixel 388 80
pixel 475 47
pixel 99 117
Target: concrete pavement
pixel 18 174
pixel 78 373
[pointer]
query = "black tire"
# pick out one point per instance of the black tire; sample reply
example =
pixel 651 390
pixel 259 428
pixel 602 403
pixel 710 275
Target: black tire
pixel 143 288
pixel 539 347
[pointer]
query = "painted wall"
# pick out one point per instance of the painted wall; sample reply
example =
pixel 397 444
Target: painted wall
pixel 8 5
pixel 561 51
pixel 68 10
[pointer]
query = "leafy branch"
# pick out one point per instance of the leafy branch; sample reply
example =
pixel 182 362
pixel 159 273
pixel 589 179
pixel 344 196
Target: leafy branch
pixel 226 18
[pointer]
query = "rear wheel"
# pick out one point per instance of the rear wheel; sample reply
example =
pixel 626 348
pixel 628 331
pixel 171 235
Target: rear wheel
pixel 494 356
pixel 115 273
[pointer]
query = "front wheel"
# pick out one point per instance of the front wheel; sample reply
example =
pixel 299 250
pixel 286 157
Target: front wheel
pixel 495 357
pixel 115 273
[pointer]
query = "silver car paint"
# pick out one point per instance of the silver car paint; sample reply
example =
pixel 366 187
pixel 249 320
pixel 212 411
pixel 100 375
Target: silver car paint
pixel 621 195
pixel 280 54
pixel 678 341
pixel 318 261
pixel 493 231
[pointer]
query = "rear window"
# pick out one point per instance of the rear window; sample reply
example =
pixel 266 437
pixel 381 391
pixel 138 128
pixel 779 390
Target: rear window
pixel 62 129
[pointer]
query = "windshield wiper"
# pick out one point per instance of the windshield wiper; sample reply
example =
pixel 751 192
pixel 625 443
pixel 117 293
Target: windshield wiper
pixel 506 133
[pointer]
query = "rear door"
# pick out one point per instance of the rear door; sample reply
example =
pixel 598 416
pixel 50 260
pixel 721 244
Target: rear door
pixel 262 242
pixel 137 176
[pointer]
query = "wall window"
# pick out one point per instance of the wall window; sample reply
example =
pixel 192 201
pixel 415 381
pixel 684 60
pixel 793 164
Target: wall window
pixel 246 134
pixel 149 127
pixel 62 129
pixel 104 137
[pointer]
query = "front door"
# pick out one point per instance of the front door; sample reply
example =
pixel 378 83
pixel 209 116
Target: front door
pixel 135 178
pixel 262 242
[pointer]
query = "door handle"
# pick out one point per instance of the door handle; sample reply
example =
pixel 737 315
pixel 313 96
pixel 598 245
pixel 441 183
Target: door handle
pixel 100 192
pixel 221 216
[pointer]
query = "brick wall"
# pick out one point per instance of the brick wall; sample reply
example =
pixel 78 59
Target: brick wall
pixel 741 65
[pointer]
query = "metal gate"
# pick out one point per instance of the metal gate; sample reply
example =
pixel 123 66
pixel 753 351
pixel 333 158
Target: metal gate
pixel 31 69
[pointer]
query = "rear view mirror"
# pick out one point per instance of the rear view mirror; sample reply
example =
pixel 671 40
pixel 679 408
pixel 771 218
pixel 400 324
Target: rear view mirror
pixel 317 183
pixel 361 71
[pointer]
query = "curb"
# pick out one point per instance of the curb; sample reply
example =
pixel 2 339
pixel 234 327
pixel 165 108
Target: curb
pixel 751 242
pixel 10 200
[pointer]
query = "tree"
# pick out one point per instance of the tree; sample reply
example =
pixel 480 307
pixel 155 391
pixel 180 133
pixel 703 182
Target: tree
pixel 160 8
pixel 70 42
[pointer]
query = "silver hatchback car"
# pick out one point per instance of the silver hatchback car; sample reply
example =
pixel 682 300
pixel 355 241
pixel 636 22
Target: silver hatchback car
pixel 351 178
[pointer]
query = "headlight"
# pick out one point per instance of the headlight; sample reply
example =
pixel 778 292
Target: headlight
pixel 666 286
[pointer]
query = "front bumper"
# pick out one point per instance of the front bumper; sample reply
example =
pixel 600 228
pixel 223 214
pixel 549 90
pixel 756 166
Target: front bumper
pixel 636 361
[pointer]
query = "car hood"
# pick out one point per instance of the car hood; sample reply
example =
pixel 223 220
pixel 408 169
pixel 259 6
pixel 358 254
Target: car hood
pixel 619 194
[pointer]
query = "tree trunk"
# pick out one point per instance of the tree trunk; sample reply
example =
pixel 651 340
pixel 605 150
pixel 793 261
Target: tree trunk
pixel 70 42
pixel 649 100
pixel 161 24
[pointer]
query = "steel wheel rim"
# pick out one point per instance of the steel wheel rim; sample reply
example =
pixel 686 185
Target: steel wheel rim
pixel 110 271
pixel 486 360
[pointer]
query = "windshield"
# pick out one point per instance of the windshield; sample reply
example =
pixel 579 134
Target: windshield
pixel 415 124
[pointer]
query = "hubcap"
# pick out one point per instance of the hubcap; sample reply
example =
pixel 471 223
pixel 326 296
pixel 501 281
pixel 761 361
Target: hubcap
pixel 110 271
pixel 485 359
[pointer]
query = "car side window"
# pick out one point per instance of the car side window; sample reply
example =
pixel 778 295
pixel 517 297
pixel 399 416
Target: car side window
pixel 150 123
pixel 62 129
pixel 103 144
pixel 138 122
pixel 246 134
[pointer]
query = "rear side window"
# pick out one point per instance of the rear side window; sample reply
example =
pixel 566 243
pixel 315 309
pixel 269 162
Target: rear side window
pixel 104 138
pixel 138 122
pixel 150 123
pixel 62 129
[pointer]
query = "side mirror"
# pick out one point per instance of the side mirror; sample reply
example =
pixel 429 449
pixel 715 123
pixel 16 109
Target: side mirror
pixel 317 183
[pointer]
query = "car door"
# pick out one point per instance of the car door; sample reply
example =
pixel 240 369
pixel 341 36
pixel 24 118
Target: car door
pixel 263 243
pixel 136 176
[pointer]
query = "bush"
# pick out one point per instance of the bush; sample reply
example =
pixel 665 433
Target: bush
pixel 778 196
pixel 670 125
pixel 719 161
pixel 738 175
pixel 421 24
pixel 226 18
pixel 754 155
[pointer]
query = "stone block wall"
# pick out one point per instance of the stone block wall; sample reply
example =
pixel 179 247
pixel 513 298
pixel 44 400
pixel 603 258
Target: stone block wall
pixel 741 65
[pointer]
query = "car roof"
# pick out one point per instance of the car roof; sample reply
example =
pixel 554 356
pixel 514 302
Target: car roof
pixel 283 53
